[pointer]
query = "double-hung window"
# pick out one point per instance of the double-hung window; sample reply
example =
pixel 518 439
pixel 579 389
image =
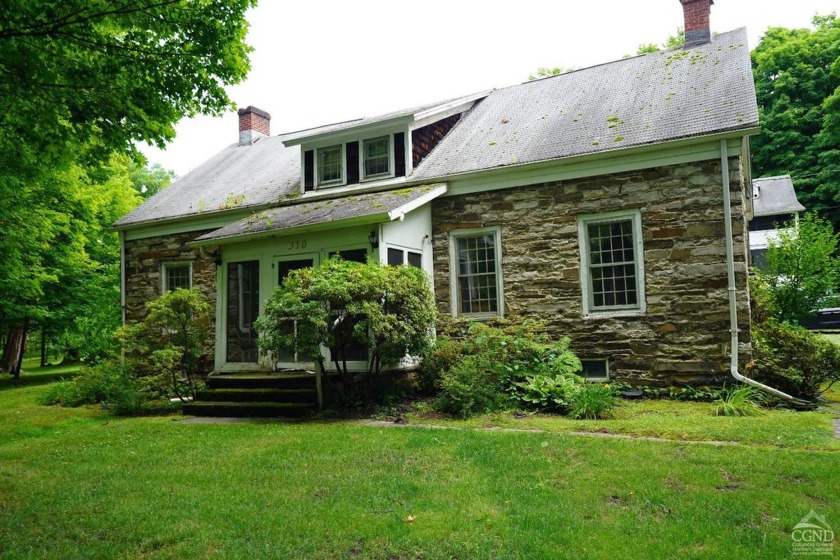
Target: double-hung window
pixel 612 266
pixel 476 272
pixel 175 275
pixel 376 157
pixel 331 165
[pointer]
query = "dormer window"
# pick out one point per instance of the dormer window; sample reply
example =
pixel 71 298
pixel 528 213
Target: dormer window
pixel 376 157
pixel 331 165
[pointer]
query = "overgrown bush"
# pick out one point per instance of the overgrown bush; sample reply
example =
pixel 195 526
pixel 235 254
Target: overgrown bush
pixel 492 360
pixel 793 359
pixel 165 351
pixel 343 304
pixel 107 383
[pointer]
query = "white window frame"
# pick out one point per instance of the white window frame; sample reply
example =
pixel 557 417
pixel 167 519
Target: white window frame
pixel 454 267
pixel 164 273
pixel 391 159
pixel 317 171
pixel 589 309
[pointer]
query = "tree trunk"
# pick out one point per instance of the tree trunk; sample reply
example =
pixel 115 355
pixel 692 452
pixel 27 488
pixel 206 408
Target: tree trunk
pixel 13 352
pixel 43 347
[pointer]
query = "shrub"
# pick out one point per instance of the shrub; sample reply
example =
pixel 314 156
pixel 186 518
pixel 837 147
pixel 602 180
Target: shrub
pixel 494 359
pixel 106 383
pixel 793 359
pixel 471 387
pixel 339 304
pixel 592 401
pixel 439 357
pixel 739 401
pixel 549 393
pixel 802 268
pixel 165 351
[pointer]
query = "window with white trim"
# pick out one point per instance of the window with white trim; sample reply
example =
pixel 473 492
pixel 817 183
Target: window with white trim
pixel 376 157
pixel 175 275
pixel 612 269
pixel 476 272
pixel 331 165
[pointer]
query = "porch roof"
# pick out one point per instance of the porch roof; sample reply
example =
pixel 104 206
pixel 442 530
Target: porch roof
pixel 367 208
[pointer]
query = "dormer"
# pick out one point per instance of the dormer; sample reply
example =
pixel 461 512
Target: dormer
pixel 374 150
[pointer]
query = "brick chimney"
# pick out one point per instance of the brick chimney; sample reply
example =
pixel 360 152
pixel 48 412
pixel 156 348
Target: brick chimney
pixel 696 14
pixel 253 124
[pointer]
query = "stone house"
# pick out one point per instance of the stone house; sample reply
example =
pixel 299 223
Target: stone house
pixel 609 203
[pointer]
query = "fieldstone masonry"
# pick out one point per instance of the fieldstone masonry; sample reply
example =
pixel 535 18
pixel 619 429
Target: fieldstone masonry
pixel 144 259
pixel 684 335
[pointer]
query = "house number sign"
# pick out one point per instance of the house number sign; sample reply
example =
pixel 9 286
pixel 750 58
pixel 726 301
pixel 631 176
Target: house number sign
pixel 296 245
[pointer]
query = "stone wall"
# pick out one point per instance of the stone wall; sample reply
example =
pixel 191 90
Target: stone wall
pixel 684 335
pixel 144 259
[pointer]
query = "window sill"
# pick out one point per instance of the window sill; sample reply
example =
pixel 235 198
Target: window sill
pixel 612 313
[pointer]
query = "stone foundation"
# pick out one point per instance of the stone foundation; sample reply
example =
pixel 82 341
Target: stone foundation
pixel 684 335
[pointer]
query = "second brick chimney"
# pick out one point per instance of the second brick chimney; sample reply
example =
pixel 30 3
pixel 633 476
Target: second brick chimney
pixel 696 14
pixel 253 124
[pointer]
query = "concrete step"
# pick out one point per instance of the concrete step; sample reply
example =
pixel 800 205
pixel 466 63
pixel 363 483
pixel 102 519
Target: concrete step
pixel 259 395
pixel 261 381
pixel 248 409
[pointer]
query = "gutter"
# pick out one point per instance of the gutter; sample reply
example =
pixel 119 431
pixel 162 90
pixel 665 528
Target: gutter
pixel 730 272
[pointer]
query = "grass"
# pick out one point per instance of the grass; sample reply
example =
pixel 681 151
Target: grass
pixel 33 374
pixel 75 483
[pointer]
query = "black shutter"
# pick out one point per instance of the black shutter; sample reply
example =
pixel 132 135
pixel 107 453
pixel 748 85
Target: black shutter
pixel 399 154
pixel 352 152
pixel 308 170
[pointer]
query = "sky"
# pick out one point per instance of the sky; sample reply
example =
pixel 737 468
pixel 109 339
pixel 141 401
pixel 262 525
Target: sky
pixel 316 63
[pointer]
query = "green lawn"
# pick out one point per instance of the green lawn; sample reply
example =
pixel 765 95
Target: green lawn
pixel 75 483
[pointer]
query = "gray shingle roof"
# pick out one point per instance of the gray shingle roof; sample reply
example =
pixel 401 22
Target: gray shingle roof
pixel 367 121
pixel 263 172
pixel 379 206
pixel 643 100
pixel 775 195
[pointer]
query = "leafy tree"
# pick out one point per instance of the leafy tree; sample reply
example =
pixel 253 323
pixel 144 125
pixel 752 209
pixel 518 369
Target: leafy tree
pixel 544 72
pixel 339 304
pixel 797 76
pixel 148 180
pixel 672 42
pixel 79 81
pixel 802 269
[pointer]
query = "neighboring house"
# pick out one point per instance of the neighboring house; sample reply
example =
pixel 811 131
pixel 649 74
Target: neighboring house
pixel 591 201
pixel 774 205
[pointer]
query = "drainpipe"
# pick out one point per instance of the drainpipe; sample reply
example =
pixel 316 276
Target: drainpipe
pixel 730 272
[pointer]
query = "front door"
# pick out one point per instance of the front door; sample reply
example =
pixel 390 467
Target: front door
pixel 284 266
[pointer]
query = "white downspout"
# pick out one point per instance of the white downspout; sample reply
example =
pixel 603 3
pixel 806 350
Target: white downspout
pixel 730 271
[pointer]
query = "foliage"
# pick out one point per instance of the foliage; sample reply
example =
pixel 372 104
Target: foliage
pixel 165 351
pixel 797 76
pixel 80 81
pixel 495 358
pixel 592 401
pixel 738 401
pixel 793 359
pixel 439 357
pixel 672 42
pixel 802 269
pixel 390 310
pixel 547 392
pixel 107 383
pixel 545 72
pixel 149 180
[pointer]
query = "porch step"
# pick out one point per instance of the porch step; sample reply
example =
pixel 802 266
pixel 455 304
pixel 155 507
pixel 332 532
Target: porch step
pixel 261 381
pixel 251 395
pixel 236 409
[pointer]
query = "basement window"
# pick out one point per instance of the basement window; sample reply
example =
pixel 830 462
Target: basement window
pixel 595 369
